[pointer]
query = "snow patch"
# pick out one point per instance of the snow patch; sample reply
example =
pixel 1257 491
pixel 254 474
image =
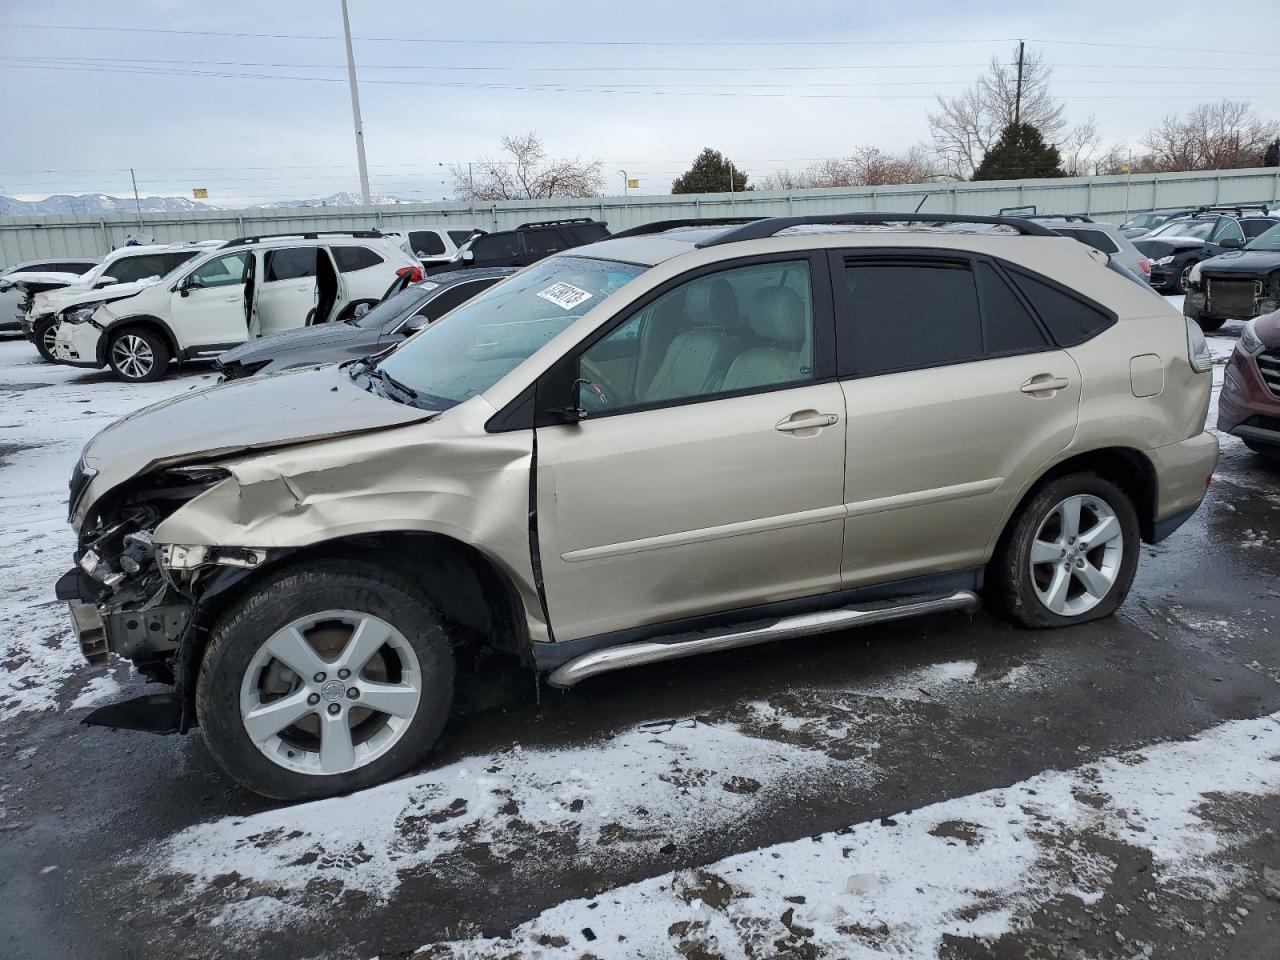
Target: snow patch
pixel 971 867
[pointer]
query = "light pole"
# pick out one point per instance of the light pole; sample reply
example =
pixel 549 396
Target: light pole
pixel 355 108
pixel 625 183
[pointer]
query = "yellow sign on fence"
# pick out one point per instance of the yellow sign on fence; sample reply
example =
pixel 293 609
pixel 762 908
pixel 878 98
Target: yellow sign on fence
pixel 633 184
pixel 200 193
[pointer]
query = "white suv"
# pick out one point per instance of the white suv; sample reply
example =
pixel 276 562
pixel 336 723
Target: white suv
pixel 246 288
pixel 121 273
pixel 433 244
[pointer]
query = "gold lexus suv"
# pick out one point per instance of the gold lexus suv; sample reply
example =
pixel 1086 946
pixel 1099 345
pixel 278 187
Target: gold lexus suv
pixel 693 436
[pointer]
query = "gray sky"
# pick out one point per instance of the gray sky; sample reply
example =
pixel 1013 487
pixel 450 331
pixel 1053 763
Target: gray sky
pixel 791 82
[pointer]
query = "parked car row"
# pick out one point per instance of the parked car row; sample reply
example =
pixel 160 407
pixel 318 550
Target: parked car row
pixel 691 436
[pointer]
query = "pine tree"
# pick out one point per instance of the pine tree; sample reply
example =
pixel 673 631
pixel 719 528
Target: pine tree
pixel 1020 153
pixel 1271 158
pixel 710 174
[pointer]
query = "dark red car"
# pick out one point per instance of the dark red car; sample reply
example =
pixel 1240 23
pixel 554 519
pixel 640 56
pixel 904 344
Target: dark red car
pixel 1249 406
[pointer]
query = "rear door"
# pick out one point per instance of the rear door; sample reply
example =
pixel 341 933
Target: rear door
pixel 956 396
pixel 362 272
pixel 286 288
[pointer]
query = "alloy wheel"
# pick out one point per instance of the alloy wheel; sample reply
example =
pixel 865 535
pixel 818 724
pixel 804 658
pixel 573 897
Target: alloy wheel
pixel 50 337
pixel 132 356
pixel 1076 555
pixel 331 692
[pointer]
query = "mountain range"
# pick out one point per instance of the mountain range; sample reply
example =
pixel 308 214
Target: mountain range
pixel 104 203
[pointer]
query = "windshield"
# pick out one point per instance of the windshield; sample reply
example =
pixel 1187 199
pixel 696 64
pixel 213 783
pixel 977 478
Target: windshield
pixel 395 306
pixel 1269 240
pixel 1191 229
pixel 489 336
pixel 1147 220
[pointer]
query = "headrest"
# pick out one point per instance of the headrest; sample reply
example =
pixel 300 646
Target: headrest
pixel 779 315
pixel 712 304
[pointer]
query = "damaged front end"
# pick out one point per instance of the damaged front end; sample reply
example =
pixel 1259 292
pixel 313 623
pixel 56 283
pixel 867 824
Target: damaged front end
pixel 136 599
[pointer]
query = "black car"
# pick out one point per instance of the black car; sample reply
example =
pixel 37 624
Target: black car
pixel 1183 242
pixel 402 312
pixel 527 243
pixel 1141 224
pixel 1239 285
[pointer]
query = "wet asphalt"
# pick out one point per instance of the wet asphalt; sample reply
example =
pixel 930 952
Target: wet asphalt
pixel 1195 645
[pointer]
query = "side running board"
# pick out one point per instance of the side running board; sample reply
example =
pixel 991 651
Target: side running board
pixel 825 621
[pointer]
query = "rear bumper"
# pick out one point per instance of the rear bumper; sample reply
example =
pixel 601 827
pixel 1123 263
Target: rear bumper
pixel 1183 471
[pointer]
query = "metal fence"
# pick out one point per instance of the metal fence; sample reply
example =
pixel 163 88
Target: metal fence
pixel 1103 198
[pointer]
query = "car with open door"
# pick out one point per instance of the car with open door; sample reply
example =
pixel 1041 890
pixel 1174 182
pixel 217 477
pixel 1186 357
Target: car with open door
pixel 244 289
pixel 434 244
pixel 691 437
pixel 406 310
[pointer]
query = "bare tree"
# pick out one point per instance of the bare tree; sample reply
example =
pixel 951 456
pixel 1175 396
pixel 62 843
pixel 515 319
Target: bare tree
pixel 525 173
pixel 865 167
pixel 966 126
pixel 1213 136
pixel 1079 148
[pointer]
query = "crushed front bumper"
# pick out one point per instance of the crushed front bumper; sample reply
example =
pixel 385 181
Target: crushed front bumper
pixel 142 635
pixel 80 345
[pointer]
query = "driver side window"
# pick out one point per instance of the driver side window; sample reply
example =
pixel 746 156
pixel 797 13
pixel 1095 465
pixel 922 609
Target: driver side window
pixel 745 329
pixel 220 272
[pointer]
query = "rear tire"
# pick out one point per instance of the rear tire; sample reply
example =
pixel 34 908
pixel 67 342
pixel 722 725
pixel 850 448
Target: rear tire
pixel 138 355
pixel 42 334
pixel 244 671
pixel 1051 571
pixel 1268 451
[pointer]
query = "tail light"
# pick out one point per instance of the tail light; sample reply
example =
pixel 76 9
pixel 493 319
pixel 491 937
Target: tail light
pixel 1145 266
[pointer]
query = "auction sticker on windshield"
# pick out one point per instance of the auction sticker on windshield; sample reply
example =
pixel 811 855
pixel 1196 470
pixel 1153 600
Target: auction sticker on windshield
pixel 564 295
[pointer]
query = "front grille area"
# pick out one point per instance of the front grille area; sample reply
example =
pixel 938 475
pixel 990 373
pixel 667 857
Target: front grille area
pixel 1233 298
pixel 1269 365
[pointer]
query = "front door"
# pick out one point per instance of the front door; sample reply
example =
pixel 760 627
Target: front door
pixel 708 472
pixel 206 311
pixel 956 397
pixel 286 288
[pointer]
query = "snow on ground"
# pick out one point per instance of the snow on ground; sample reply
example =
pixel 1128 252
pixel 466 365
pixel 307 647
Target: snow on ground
pixel 47 413
pixel 972 866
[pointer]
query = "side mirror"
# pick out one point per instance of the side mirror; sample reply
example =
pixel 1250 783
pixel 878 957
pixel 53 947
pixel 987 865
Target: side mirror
pixel 1231 243
pixel 104 282
pixel 468 256
pixel 416 323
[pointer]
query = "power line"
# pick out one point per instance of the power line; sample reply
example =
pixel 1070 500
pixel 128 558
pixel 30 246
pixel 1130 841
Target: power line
pixel 617 88
pixel 504 41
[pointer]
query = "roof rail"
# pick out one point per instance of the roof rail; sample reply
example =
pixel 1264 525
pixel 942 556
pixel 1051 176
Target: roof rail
pixel 308 235
pixel 557 223
pixel 659 226
pixel 1069 217
pixel 1237 208
pixel 759 229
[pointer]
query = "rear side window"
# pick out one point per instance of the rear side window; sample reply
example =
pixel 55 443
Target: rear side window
pixel 543 243
pixel 349 259
pixel 1093 238
pixel 1256 226
pixel 1070 320
pixel 1010 327
pixel 294 263
pixel 586 232
pixel 496 248
pixel 129 269
pixel 425 243
pixel 907 315
pixel 454 296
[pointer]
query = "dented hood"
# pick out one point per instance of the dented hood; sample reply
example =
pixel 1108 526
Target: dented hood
pixel 271 411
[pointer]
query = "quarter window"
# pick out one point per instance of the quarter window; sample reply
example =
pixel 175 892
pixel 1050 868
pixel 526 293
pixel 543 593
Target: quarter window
pixel 294 263
pixel 1009 326
pixel 350 259
pixel 459 237
pixel 220 272
pixel 902 315
pixel 425 243
pixel 748 328
pixel 1070 320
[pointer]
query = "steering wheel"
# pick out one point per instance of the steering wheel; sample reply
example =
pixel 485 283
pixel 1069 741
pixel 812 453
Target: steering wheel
pixel 600 390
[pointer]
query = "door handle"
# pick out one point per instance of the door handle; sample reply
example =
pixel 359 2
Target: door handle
pixel 806 420
pixel 1043 384
pixel 232 299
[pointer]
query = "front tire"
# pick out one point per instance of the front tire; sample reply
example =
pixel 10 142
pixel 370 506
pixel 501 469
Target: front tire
pixel 1266 450
pixel 138 355
pixel 1210 324
pixel 1069 556
pixel 1182 277
pixel 43 334
pixel 326 678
